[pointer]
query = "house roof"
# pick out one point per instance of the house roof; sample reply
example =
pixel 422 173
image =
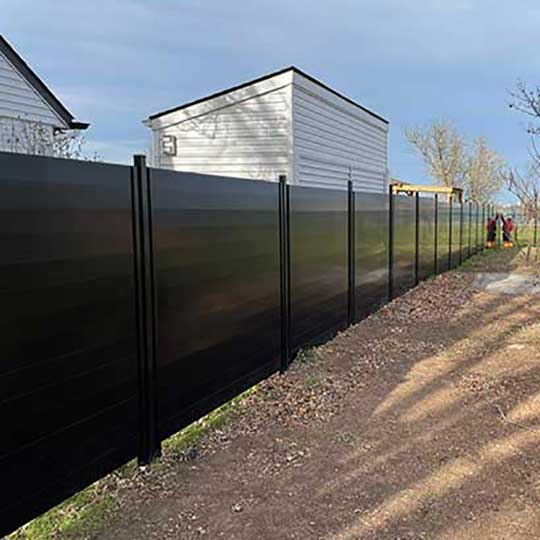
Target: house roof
pixel 24 69
pixel 264 78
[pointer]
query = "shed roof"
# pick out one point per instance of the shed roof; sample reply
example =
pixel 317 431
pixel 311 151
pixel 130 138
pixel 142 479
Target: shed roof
pixel 263 78
pixel 24 69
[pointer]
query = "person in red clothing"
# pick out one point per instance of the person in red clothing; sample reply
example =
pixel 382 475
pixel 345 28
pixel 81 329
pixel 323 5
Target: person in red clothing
pixel 491 232
pixel 508 231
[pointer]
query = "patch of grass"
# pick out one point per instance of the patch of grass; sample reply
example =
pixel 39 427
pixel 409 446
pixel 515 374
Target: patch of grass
pixel 81 516
pixel 189 437
pixel 74 519
pixel 493 260
pixel 519 259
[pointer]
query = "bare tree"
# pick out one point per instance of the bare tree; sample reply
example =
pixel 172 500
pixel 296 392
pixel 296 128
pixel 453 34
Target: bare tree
pixel 443 151
pixel 485 172
pixel 451 161
pixel 526 100
pixel 526 188
pixel 37 138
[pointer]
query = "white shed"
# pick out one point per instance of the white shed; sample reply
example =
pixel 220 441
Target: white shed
pixel 286 122
pixel 28 109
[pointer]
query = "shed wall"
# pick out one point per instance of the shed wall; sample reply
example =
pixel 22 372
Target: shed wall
pixel 287 124
pixel 247 137
pixel 332 137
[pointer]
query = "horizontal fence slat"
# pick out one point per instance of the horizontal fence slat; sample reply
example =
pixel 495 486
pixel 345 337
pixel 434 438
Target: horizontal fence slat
pixel 137 300
pixel 68 379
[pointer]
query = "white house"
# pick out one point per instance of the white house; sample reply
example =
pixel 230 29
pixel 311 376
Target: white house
pixel 286 122
pixel 28 109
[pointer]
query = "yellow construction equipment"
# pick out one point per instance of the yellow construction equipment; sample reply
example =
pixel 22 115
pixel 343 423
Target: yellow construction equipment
pixel 452 193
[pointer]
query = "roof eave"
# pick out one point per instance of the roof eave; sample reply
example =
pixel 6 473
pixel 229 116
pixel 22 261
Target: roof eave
pixel 78 125
pixel 26 71
pixel 155 116
pixel 219 93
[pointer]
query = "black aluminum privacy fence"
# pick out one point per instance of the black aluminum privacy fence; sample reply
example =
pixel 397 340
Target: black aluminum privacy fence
pixel 136 300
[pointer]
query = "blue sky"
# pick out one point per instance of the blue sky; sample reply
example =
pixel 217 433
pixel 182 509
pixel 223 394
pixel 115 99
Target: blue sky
pixel 114 62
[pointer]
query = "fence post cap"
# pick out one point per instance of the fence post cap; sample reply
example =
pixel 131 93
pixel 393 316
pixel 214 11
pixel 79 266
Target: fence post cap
pixel 139 158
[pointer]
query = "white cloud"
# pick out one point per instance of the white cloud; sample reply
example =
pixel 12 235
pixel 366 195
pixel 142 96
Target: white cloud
pixel 116 61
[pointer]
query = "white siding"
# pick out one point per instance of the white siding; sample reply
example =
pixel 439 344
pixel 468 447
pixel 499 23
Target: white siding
pixel 18 99
pixel 24 137
pixel 332 137
pixel 286 124
pixel 244 134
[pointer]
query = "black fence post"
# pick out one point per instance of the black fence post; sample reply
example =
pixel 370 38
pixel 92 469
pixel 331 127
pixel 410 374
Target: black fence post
pixel 351 252
pixel 146 313
pixel 475 232
pixel 498 233
pixel 480 221
pixel 472 227
pixel 487 217
pixel 285 267
pixel 460 232
pixel 390 244
pixel 483 228
pixel 535 221
pixel 416 238
pixel 450 226
pixel 477 226
pixel 480 227
pixel 469 239
pixel 436 236
pixel 490 214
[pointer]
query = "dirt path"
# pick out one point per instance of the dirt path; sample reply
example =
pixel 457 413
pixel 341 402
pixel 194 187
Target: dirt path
pixel 422 422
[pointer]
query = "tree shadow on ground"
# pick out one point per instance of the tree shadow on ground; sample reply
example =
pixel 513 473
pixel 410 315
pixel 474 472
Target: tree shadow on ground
pixel 450 446
pixel 436 439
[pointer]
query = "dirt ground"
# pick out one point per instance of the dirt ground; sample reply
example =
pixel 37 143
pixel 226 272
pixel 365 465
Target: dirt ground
pixel 421 422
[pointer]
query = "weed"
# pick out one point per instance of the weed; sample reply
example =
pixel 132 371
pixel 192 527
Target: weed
pixel 345 438
pixel 312 382
pixel 307 356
